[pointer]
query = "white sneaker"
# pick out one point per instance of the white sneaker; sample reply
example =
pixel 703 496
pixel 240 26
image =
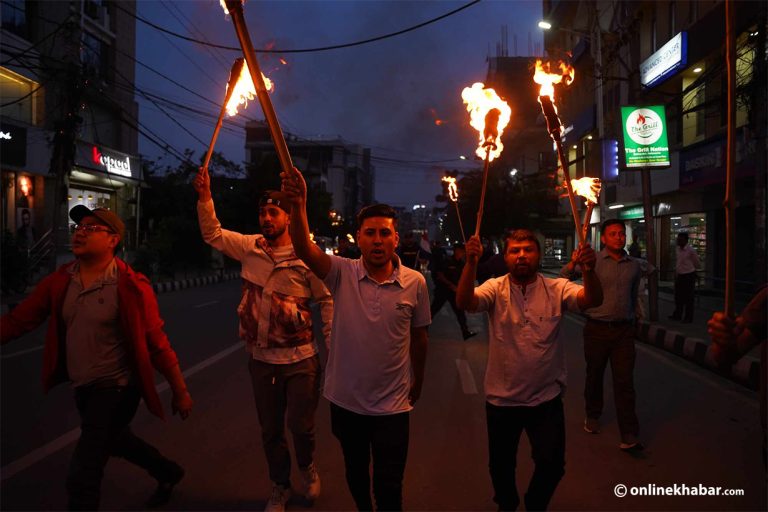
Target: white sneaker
pixel 311 482
pixel 280 496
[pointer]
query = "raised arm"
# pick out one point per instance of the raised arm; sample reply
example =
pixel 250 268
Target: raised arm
pixel 231 243
pixel 592 294
pixel 465 291
pixel 295 189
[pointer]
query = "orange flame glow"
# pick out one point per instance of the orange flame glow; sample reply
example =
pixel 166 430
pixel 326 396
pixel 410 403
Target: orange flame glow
pixel 244 90
pixel 283 61
pixel 588 188
pixel 480 101
pixel 547 79
pixel 453 190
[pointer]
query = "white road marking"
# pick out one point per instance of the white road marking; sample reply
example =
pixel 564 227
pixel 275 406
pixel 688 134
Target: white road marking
pixel 62 441
pixel 206 304
pixel 22 352
pixel 467 379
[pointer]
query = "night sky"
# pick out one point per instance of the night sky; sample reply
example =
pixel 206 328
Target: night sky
pixel 386 95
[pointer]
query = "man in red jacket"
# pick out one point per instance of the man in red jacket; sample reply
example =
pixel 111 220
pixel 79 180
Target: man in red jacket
pixel 105 336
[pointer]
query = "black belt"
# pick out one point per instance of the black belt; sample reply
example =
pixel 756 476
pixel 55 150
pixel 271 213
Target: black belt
pixel 612 323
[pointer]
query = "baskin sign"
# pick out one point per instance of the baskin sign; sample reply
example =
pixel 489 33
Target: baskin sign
pixel 664 62
pixel 645 136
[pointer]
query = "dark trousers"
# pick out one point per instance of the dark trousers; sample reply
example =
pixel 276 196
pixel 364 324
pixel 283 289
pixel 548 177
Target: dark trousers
pixel 443 295
pixel 384 437
pixel 614 343
pixel 685 285
pixel 106 413
pixel 544 425
pixel 286 391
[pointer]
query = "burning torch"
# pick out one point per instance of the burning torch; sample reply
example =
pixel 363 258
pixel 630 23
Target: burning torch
pixel 453 195
pixel 589 189
pixel 234 77
pixel 235 9
pixel 555 127
pixel 489 115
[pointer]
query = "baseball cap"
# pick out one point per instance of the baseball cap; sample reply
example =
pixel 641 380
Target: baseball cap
pixel 106 217
pixel 276 198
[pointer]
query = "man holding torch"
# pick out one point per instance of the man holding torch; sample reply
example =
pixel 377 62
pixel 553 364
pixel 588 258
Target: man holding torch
pixel 525 375
pixel 378 346
pixel 610 333
pixel 276 324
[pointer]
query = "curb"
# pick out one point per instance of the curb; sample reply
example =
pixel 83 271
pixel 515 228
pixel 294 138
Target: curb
pixel 172 286
pixel 745 371
pixel 164 287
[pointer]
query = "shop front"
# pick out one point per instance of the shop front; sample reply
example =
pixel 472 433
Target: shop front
pixel 106 178
pixel 24 159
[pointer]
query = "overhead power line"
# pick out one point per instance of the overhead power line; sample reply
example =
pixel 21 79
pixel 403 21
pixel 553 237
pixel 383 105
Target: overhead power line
pixel 299 50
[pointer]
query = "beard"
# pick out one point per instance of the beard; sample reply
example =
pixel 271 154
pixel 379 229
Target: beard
pixel 524 273
pixel 275 234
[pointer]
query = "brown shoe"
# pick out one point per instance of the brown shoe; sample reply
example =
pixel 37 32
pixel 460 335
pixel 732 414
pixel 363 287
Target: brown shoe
pixel 592 425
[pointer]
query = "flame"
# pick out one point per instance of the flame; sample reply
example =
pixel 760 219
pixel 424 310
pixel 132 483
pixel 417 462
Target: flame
pixel 453 190
pixel 283 61
pixel 223 5
pixel 588 188
pixel 480 101
pixel 547 79
pixel 244 90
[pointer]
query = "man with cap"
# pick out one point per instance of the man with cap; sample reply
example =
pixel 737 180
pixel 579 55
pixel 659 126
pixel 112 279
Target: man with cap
pixel 105 335
pixel 276 325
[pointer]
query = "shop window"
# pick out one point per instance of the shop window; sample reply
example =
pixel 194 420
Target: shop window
pixel 14 17
pixel 94 55
pixel 90 198
pixel 19 96
pixel 693 113
pixel 695 224
pixel 745 67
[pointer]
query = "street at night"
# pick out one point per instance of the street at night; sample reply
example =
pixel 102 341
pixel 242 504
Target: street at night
pixel 698 429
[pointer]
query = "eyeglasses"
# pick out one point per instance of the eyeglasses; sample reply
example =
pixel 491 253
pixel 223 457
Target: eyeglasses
pixel 89 229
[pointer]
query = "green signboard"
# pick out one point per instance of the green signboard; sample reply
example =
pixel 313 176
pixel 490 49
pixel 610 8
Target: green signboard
pixel 636 212
pixel 645 136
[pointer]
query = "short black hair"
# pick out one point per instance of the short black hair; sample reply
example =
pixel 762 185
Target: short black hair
pixel 376 210
pixel 521 235
pixel 683 235
pixel 610 222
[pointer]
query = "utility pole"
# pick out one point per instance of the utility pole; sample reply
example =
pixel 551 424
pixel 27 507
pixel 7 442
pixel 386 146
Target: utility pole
pixel 730 159
pixel 65 134
pixel 650 242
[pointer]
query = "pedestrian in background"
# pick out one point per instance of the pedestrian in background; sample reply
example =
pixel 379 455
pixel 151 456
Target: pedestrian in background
pixel 685 279
pixel 106 337
pixel 526 372
pixel 446 277
pixel 276 325
pixel 378 347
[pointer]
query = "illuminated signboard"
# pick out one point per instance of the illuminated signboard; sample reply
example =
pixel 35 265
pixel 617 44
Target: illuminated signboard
pixel 664 62
pixel 109 161
pixel 645 136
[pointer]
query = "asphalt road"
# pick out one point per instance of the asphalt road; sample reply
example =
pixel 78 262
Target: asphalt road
pixel 698 428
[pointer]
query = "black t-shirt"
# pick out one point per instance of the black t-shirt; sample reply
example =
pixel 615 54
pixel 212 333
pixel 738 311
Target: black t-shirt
pixel 451 269
pixel 409 256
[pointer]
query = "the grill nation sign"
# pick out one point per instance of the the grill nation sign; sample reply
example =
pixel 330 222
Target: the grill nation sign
pixel 645 136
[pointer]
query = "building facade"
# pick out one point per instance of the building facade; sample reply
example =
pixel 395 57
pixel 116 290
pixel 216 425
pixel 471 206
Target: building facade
pixel 670 53
pixel 68 118
pixel 331 165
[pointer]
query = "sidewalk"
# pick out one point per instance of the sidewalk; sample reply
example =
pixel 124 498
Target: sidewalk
pixel 691 341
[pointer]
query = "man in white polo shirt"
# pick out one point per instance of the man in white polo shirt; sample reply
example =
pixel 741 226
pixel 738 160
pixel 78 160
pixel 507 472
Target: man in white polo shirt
pixel 526 371
pixel 378 346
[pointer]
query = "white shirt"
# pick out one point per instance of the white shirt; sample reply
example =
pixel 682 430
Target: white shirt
pixel 369 363
pixel 687 260
pixel 526 363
